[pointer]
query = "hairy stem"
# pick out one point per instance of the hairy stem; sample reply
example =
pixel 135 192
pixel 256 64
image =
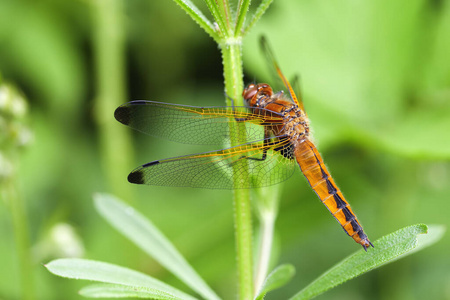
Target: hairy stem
pixel 232 62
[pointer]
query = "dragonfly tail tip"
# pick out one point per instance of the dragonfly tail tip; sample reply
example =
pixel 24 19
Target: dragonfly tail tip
pixel 366 244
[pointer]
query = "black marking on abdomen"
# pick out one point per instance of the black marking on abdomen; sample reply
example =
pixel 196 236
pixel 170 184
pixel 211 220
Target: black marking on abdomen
pixel 362 235
pixel 356 227
pixel 332 190
pixel 348 215
pixel 339 202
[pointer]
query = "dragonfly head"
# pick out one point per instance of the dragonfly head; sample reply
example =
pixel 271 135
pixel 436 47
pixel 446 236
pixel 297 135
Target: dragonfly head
pixel 254 94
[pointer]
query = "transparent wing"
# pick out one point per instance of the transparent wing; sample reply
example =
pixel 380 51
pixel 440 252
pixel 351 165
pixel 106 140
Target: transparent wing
pixel 296 86
pixel 192 124
pixel 275 71
pixel 221 169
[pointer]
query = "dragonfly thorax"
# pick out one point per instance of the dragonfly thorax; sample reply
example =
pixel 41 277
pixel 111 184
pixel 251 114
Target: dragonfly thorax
pixel 296 124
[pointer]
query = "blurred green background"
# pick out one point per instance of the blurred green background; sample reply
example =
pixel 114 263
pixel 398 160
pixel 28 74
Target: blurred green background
pixel 375 77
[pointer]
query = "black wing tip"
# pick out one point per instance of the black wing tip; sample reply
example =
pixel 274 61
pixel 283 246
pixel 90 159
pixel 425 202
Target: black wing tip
pixel 136 177
pixel 122 114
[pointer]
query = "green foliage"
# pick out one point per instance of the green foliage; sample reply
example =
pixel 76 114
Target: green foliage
pixel 199 17
pixel 276 279
pixel 375 80
pixel 14 136
pixel 123 291
pixel 387 249
pixel 145 235
pixel 121 280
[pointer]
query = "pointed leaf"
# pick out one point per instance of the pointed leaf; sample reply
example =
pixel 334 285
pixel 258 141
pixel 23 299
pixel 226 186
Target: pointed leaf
pixel 240 15
pixel 263 6
pixel 198 17
pixel 146 236
pixel 104 272
pixel 218 15
pixel 277 278
pixel 106 290
pixel 387 249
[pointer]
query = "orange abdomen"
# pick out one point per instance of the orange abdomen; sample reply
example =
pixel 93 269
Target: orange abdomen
pixel 319 178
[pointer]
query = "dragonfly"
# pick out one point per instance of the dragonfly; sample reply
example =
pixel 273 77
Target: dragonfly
pixel 264 142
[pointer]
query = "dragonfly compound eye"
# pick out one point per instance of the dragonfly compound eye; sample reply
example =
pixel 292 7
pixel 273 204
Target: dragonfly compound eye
pixel 249 92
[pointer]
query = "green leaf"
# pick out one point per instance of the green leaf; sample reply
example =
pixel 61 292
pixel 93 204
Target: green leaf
pixel 146 236
pixel 263 6
pixel 433 234
pixel 387 249
pixel 108 273
pixel 240 16
pixel 217 15
pixel 278 278
pixel 198 17
pixel 106 290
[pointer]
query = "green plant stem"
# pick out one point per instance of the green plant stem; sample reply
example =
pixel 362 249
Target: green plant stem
pixel 232 62
pixel 243 235
pixel 266 204
pixel 233 73
pixel 21 234
pixel 262 266
pixel 115 143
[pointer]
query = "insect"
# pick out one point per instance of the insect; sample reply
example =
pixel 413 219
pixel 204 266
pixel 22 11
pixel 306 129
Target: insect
pixel 265 139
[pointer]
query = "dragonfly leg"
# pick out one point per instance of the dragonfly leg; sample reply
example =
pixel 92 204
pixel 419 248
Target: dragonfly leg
pixel 263 158
pixel 232 105
pixel 285 150
pixel 229 98
pixel 266 145
pixel 264 155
